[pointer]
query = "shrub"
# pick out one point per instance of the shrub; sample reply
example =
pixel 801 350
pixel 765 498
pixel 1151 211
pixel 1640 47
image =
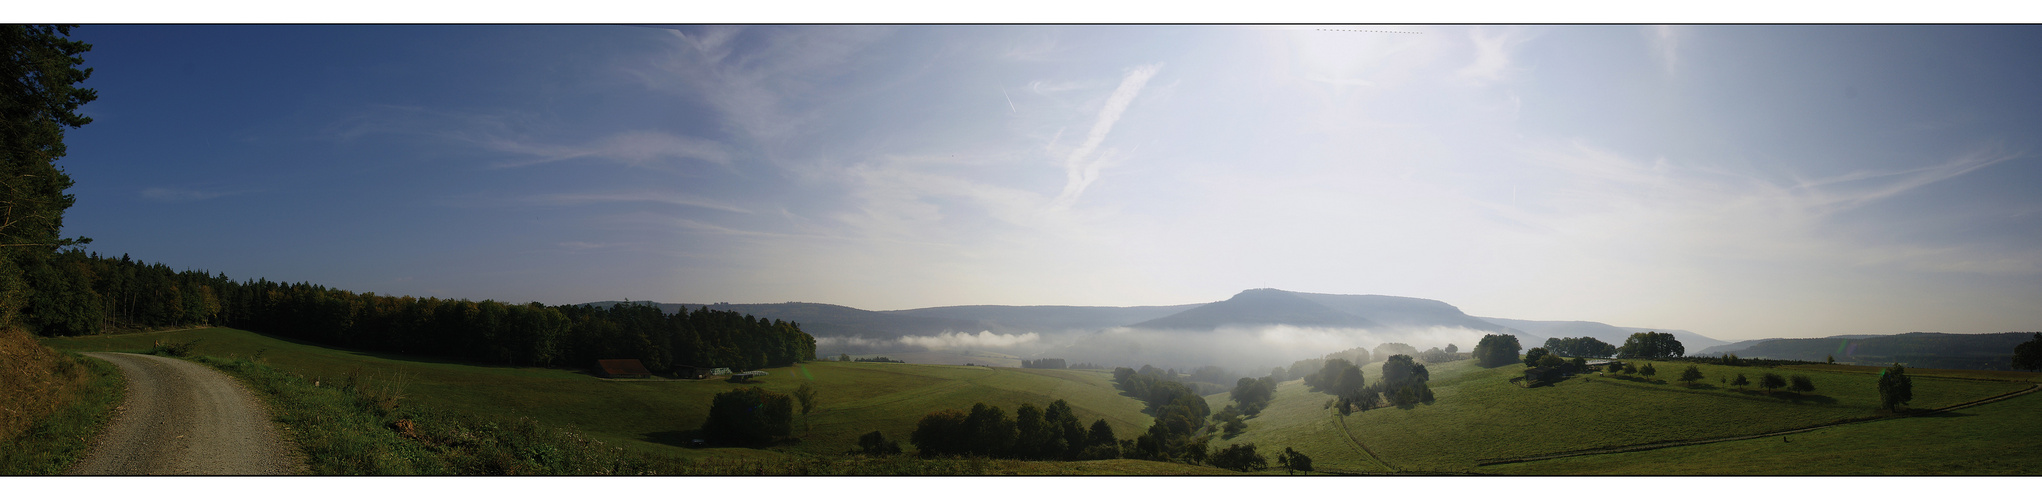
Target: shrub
pixel 1647 370
pixel 1692 374
pixel 1740 381
pixel 749 416
pixel 1240 457
pixel 1803 384
pixel 941 433
pixel 876 445
pixel 174 349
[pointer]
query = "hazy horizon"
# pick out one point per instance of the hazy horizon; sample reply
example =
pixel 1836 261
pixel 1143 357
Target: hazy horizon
pixel 1738 182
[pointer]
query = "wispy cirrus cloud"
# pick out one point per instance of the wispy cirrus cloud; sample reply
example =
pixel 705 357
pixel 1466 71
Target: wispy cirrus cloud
pixel 1863 187
pixel 1729 214
pixel 756 91
pixel 1082 167
pixel 637 148
pixel 666 198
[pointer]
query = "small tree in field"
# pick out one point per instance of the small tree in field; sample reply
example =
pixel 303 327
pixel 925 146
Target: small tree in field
pixel 1691 375
pixel 1895 388
pixel 1803 384
pixel 1740 381
pixel 1770 381
pixel 1648 370
pixel 1294 462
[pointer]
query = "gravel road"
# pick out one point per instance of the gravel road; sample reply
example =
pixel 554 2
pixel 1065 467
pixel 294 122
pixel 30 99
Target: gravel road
pixel 181 417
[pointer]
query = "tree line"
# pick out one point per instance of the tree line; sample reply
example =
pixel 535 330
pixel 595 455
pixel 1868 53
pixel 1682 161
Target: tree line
pixel 1051 433
pixel 1180 415
pixel 1402 384
pixel 80 293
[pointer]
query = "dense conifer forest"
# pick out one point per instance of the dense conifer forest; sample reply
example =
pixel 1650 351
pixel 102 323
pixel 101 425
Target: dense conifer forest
pixel 76 293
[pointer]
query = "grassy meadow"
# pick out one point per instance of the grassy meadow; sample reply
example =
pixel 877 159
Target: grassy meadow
pixel 658 415
pixel 1480 415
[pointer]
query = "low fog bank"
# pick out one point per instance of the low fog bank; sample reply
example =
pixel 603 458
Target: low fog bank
pixel 1251 350
pixel 1017 344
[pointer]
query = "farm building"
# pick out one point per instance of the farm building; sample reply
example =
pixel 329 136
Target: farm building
pixel 621 368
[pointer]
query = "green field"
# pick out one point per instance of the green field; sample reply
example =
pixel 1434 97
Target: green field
pixel 656 415
pixel 1480 415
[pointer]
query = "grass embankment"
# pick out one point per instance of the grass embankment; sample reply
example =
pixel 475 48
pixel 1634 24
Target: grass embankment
pixel 1481 416
pixel 650 416
pixel 1979 440
pixel 51 404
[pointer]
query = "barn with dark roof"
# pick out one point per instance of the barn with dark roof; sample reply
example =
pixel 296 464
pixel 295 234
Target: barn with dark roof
pixel 621 368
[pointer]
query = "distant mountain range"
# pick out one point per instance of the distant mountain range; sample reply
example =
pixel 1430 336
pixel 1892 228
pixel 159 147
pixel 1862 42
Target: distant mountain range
pixel 1193 334
pixel 1077 330
pixel 1981 351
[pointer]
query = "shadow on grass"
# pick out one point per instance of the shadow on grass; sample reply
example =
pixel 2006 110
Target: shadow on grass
pixel 384 355
pixel 680 438
pixel 1791 397
pixel 1640 379
pixel 1946 414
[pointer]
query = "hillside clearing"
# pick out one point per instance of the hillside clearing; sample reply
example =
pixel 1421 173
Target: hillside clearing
pixel 854 398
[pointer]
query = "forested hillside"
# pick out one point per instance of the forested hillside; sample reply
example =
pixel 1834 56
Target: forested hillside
pixel 79 293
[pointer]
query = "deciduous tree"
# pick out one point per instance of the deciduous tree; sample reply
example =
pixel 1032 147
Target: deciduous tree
pixel 1651 345
pixel 1496 350
pixel 1801 383
pixel 1895 388
pixel 2028 355
pixel 1691 374
pixel 1294 462
pixel 1770 381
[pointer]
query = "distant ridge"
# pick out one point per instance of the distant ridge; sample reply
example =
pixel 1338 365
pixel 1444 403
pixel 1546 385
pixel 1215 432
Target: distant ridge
pixel 858 331
pixel 1407 312
pixel 1974 351
pixel 1005 319
pixel 1261 306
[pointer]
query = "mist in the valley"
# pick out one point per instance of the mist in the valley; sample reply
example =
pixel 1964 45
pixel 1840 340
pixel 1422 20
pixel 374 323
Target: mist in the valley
pixel 1247 350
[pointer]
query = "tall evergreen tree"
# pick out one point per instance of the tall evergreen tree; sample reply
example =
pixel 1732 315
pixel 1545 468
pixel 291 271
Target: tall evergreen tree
pixel 39 98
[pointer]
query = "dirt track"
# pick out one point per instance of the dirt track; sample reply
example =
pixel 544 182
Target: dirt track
pixel 181 417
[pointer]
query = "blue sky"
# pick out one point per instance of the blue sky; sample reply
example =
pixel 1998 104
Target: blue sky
pixel 1736 181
